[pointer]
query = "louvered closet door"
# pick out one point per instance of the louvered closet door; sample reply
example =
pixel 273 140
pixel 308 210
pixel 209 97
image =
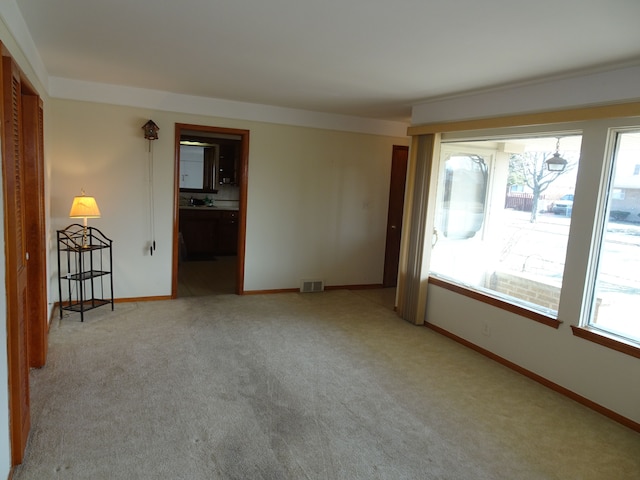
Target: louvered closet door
pixel 16 260
pixel 35 228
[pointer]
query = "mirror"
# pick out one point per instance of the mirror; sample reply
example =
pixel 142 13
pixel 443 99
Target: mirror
pixel 207 160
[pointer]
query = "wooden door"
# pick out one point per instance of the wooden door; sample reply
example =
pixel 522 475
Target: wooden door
pixel 394 217
pixel 35 228
pixel 16 259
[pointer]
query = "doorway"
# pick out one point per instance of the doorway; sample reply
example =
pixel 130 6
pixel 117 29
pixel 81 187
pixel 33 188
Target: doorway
pixel 209 210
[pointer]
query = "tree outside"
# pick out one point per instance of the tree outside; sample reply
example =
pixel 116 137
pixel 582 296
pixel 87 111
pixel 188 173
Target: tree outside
pixel 529 168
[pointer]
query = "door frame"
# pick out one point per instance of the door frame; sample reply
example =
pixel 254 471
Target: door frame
pixel 242 175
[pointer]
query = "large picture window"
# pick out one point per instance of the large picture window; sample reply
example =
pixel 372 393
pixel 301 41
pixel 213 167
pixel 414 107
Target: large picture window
pixel 502 217
pixel 616 296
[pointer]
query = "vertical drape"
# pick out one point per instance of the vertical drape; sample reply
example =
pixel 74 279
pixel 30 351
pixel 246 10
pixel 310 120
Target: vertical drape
pixel 413 270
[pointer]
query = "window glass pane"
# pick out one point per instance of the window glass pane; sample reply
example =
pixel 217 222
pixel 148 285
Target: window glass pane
pixel 502 217
pixel 616 300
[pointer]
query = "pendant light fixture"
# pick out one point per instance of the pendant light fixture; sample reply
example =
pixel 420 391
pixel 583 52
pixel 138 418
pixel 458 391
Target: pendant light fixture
pixel 556 163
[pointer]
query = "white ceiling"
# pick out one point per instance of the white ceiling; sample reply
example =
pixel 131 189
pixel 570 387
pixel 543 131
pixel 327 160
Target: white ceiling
pixel 369 58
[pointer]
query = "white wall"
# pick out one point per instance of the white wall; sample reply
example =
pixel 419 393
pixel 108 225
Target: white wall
pixel 101 149
pixel 316 206
pixel 602 375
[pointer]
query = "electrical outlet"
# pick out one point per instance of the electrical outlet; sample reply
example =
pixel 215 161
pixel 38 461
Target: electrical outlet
pixel 486 331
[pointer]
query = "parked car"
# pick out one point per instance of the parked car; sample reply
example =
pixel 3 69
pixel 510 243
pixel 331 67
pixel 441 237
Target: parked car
pixel 564 205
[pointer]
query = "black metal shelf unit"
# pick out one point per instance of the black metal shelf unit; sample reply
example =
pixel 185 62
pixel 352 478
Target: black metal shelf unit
pixel 85 261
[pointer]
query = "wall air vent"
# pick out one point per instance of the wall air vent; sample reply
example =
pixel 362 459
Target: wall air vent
pixel 311 286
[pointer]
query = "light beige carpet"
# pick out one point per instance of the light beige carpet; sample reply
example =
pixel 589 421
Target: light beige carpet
pixel 297 386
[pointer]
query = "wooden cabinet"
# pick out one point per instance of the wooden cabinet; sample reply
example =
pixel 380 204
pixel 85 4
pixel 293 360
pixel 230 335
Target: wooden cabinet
pixel 198 232
pixel 228 233
pixel 208 232
pixel 228 164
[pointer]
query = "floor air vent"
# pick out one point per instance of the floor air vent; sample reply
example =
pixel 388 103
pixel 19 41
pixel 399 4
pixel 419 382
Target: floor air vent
pixel 311 286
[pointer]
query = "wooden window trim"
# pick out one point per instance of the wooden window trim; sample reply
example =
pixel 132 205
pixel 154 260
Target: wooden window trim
pixel 496 302
pixel 601 337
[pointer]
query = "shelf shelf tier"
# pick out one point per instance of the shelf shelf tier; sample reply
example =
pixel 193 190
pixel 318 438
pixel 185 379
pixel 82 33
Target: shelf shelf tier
pixel 88 256
pixel 86 305
pixel 85 275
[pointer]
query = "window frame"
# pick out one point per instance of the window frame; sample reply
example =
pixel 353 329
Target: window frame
pixel 585 329
pixel 582 119
pixel 448 143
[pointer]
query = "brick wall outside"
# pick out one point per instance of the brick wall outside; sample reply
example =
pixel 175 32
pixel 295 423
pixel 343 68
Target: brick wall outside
pixel 525 288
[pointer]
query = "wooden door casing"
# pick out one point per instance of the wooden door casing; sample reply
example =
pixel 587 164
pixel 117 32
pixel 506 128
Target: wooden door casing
pixel 241 176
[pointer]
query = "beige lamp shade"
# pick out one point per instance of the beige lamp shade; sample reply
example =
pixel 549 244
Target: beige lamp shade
pixel 84 207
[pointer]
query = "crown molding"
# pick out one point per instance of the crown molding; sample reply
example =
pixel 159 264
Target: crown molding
pixel 69 89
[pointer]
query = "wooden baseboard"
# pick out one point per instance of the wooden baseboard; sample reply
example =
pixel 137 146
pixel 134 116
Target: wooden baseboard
pixel 366 286
pixel 627 422
pixel 121 300
pixel 267 292
pixel 326 287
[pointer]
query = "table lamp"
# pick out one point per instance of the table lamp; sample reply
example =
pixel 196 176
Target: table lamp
pixel 84 207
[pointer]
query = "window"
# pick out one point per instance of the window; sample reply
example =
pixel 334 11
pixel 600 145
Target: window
pixel 617 194
pixel 505 242
pixel 636 169
pixel 616 294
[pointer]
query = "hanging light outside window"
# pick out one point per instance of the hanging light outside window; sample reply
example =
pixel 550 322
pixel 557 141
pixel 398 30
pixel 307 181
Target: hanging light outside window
pixel 556 163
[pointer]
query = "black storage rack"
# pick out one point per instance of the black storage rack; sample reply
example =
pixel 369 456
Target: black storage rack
pixel 89 261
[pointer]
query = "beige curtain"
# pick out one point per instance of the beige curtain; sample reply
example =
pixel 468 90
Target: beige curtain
pixel 413 269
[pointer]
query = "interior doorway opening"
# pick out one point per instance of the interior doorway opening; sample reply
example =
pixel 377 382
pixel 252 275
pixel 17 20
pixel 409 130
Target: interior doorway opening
pixel 209 210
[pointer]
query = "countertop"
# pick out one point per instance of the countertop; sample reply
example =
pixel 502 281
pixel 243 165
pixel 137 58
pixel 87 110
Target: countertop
pixel 205 207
